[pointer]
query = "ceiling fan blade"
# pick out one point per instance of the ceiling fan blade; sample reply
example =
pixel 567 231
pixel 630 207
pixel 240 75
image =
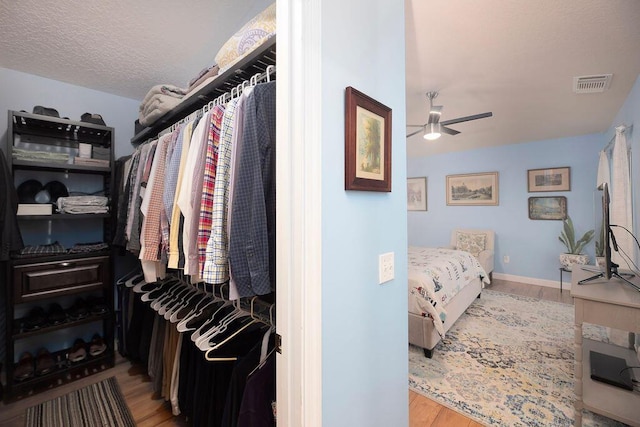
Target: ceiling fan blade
pixel 416 132
pixel 466 119
pixel 448 131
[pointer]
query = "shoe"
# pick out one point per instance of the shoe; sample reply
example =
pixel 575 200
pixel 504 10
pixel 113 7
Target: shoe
pixel 44 362
pixel 56 314
pixel 78 352
pixel 97 346
pixel 97 306
pixel 36 319
pixel 24 369
pixel 78 310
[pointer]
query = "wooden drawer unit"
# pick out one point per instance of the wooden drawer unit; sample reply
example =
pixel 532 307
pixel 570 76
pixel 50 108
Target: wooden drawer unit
pixel 50 279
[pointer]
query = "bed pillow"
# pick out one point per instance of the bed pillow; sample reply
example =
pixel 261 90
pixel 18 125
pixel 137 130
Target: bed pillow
pixel 250 36
pixel 473 243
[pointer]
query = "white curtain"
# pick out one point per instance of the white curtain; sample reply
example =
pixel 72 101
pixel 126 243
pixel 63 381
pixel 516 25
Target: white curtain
pixel 621 204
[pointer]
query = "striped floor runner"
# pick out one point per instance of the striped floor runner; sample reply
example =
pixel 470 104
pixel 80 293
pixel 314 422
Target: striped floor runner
pixel 100 404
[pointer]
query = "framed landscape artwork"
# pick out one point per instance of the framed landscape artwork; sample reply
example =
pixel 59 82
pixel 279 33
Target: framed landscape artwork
pixel 552 208
pixel 367 143
pixel 473 189
pixel 550 179
pixel 417 194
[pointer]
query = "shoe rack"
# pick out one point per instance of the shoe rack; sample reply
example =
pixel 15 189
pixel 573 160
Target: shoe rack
pixel 59 306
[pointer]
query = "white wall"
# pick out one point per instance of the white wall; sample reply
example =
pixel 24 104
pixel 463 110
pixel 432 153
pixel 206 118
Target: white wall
pixel 364 324
pixel 21 91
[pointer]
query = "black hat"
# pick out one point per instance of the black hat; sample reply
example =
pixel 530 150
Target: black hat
pixel 27 191
pixel 39 109
pixel 56 189
pixel 96 119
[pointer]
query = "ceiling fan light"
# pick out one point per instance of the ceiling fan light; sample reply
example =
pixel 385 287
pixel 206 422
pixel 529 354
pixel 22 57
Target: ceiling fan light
pixel 432 131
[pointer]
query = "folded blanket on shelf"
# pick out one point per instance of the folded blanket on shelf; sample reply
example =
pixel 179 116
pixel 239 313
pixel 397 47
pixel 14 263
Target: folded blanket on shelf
pixel 157 106
pixel 204 75
pixel 165 89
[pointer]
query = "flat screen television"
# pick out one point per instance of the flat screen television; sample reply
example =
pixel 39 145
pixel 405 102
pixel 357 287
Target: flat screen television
pixel 610 268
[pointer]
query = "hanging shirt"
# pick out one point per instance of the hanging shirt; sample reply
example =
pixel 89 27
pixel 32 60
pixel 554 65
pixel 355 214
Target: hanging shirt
pixel 193 176
pixel 252 238
pixel 216 267
pixel 208 183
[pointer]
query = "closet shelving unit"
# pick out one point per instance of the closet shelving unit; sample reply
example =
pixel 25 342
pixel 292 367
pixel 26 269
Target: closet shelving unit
pixel 62 278
pixel 255 62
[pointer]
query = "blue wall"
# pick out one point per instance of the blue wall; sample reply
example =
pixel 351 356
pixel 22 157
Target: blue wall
pixel 21 91
pixel 532 245
pixel 364 324
pixel 629 115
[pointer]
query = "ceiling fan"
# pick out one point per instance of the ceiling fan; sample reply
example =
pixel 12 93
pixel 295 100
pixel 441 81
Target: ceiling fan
pixel 434 128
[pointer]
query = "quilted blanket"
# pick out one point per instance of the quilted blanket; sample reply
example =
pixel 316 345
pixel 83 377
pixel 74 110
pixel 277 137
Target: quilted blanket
pixel 436 275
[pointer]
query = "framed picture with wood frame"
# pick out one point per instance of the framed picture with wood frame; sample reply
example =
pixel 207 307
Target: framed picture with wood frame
pixel 367 143
pixel 472 189
pixel 550 179
pixel 417 194
pixel 550 208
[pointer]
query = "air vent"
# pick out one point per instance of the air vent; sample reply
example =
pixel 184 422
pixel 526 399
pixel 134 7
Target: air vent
pixel 591 84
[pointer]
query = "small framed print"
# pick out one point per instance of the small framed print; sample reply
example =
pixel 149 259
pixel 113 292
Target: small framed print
pixel 548 208
pixel 367 143
pixel 550 179
pixel 417 194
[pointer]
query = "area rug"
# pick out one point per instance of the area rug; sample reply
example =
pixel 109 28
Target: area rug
pixel 508 361
pixel 100 404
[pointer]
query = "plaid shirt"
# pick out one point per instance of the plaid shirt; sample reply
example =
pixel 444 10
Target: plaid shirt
pixel 151 232
pixel 208 185
pixel 164 221
pixel 216 266
pixel 252 237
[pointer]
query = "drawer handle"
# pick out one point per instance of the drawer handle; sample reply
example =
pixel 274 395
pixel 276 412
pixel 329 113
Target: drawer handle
pixel 67 264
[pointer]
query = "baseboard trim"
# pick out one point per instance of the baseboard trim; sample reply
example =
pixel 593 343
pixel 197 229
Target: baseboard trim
pixel 566 282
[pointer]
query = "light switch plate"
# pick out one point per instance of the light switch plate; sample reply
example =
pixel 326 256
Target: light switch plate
pixel 386 267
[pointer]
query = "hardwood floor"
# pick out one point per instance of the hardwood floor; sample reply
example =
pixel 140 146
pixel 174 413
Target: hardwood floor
pixel 148 411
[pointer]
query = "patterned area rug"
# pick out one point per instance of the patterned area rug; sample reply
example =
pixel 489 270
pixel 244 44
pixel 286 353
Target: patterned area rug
pixel 100 404
pixel 508 361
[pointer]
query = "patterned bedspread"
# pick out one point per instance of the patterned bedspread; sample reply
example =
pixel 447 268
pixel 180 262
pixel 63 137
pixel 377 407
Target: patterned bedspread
pixel 436 275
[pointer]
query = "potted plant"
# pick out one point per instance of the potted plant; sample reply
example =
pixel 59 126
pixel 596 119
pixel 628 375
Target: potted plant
pixel 574 253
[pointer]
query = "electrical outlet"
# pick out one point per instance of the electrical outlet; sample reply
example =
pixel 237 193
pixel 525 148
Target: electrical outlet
pixel 505 259
pixel 386 267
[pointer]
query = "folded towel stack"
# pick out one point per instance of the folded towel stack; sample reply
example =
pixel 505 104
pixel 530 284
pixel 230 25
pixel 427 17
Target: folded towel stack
pixel 83 204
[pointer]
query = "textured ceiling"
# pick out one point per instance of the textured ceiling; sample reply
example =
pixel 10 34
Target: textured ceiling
pixel 516 58
pixel 118 46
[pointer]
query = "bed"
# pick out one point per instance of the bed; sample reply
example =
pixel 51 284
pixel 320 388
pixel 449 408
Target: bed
pixel 442 284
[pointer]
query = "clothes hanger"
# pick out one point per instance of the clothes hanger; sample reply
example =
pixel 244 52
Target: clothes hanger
pixel 161 305
pixel 183 301
pixel 191 307
pixel 130 274
pixel 169 296
pixel 265 344
pixel 236 326
pixel 222 314
pixel 194 319
pixel 176 301
pixel 160 290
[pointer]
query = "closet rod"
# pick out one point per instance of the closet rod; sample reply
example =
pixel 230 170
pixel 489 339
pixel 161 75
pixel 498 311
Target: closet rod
pixel 232 93
pixel 627 129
